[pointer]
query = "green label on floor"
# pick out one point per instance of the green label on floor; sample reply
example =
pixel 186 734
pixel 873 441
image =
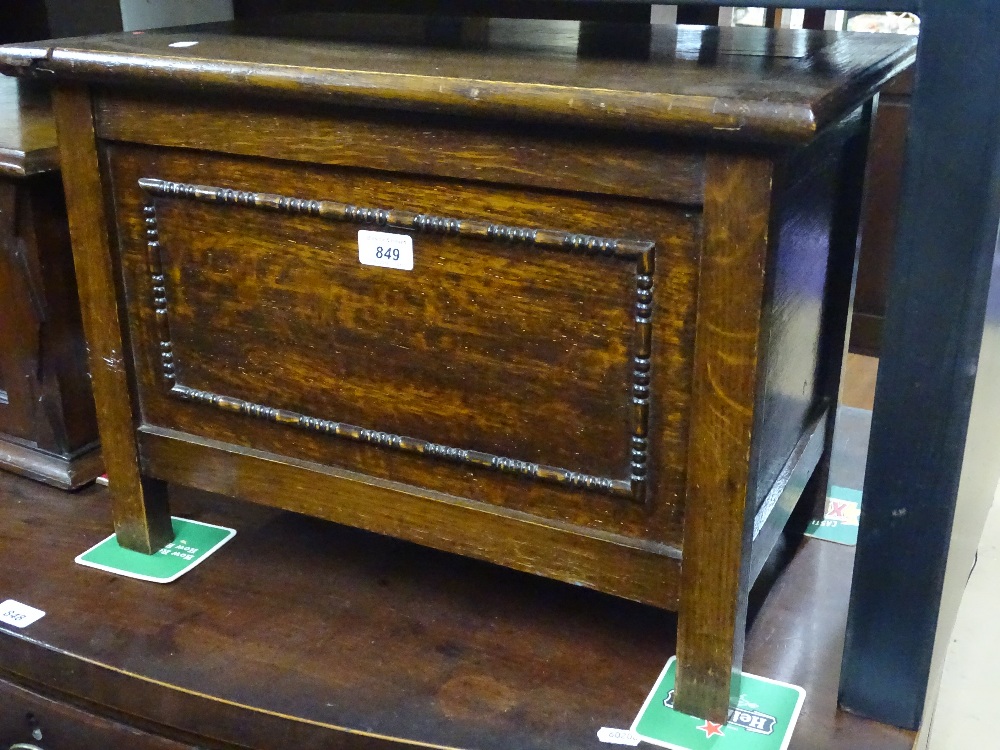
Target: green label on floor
pixel 764 719
pixel 840 518
pixel 193 542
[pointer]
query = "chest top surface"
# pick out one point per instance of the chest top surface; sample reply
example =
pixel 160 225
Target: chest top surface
pixel 749 84
pixel 28 142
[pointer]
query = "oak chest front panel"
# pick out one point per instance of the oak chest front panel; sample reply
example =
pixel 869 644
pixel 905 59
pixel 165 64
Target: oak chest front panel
pixel 535 357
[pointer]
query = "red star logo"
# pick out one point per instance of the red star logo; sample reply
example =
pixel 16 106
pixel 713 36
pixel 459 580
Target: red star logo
pixel 710 728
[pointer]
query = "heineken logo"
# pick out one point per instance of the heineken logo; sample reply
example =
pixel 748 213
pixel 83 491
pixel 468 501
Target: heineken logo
pixel 752 721
pixel 747 716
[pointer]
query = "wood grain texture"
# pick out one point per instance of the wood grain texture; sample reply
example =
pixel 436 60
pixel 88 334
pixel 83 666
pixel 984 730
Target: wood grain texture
pixel 515 70
pixel 383 644
pixel 641 253
pixel 718 527
pixel 315 333
pixel 28 142
pixel 842 263
pixel 20 312
pixel 461 148
pixel 141 516
pixel 634 569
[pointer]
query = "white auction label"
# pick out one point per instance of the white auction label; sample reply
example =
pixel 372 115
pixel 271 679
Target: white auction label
pixel 385 249
pixel 618 736
pixel 19 615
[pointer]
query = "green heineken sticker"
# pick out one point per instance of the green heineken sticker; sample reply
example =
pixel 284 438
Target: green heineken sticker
pixel 193 542
pixel 764 719
pixel 840 517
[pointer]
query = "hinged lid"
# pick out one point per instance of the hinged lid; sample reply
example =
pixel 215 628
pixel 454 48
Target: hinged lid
pixel 747 84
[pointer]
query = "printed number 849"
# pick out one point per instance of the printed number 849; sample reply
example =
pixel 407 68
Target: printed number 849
pixel 387 253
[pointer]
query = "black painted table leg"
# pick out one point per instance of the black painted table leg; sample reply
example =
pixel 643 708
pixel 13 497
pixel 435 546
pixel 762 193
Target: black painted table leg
pixel 931 363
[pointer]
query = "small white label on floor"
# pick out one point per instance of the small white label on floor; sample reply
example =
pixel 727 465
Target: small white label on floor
pixel 19 615
pixel 617 736
pixel 385 249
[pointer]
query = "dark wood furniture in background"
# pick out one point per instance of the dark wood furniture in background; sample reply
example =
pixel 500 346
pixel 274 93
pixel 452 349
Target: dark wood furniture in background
pixel 881 213
pixel 308 635
pixel 48 429
pixel 620 344
pixel 27 20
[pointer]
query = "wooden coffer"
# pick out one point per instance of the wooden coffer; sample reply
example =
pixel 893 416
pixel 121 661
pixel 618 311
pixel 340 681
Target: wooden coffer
pixel 614 361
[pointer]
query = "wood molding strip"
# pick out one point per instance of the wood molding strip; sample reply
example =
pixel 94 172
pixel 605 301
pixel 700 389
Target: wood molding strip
pixel 642 252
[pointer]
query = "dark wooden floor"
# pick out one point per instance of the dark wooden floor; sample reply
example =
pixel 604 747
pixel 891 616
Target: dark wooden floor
pixel 312 625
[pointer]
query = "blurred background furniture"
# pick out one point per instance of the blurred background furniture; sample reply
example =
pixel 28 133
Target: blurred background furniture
pixel 48 428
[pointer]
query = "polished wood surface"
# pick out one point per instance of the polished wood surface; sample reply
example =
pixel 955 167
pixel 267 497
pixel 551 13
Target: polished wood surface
pixel 724 392
pixel 47 426
pixel 566 159
pixel 28 142
pixel 576 380
pixel 37 720
pixel 95 280
pixel 703 82
pixel 573 350
pixel 343 639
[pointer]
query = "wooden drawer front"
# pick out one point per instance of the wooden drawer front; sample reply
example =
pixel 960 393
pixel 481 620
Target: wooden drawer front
pixel 32 719
pixel 518 349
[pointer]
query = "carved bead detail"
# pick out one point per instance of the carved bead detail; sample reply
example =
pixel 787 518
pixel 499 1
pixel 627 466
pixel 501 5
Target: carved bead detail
pixel 514 466
pixel 511 234
pixel 377 216
pixel 420 222
pixel 436 224
pixel 599 245
pixel 159 290
pixel 640 252
pixel 445 451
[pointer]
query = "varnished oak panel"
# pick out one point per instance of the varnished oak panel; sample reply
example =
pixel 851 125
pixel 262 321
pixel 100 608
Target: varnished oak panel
pixel 634 569
pixel 574 161
pixel 800 351
pixel 371 351
pixel 19 312
pixel 574 312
